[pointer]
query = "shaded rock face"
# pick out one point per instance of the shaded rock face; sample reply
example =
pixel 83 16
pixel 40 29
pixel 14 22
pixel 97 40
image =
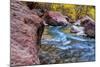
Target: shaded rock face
pixel 39 12
pixel 89 25
pixel 26 32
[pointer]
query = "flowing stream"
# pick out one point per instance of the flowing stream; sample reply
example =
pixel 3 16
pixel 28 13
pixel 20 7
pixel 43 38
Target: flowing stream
pixel 66 41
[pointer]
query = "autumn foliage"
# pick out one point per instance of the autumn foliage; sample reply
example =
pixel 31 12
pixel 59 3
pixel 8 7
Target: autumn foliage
pixel 73 11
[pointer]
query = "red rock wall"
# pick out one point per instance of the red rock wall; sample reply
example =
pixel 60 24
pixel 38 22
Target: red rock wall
pixel 24 26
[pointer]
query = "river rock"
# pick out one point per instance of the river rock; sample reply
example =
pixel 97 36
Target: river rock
pixel 89 25
pixel 55 18
pixel 79 30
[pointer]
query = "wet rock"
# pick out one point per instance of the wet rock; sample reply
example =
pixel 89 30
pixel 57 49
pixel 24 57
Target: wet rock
pixel 78 30
pixel 47 59
pixel 77 23
pixel 81 51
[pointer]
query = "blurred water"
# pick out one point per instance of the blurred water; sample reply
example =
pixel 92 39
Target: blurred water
pixel 73 43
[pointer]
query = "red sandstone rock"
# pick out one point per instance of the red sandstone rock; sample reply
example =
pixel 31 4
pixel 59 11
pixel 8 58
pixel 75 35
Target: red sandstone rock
pixel 24 27
pixel 55 18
